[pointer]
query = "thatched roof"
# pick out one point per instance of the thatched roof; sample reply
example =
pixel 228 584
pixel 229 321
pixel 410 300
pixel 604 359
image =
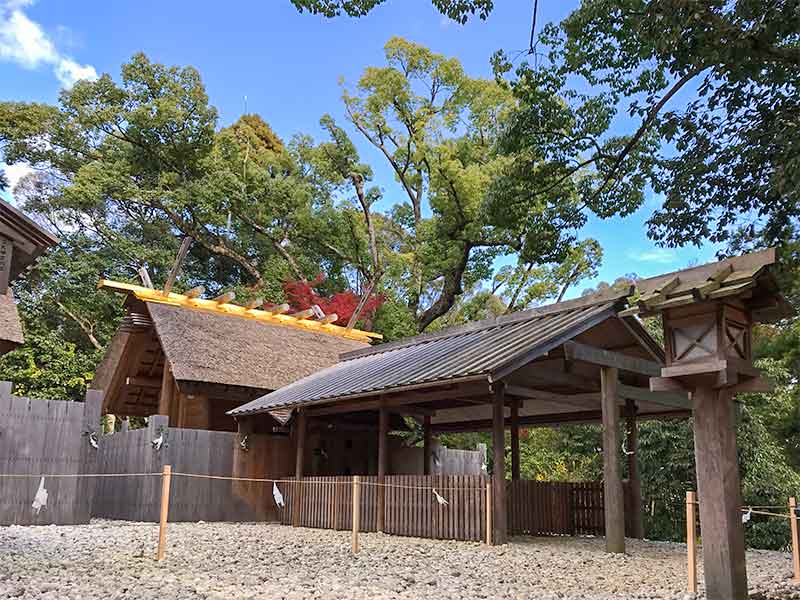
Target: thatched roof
pixel 224 349
pixel 10 327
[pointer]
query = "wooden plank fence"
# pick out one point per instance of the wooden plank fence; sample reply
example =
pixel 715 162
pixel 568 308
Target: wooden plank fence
pixel 411 507
pixel 47 437
pixel 544 508
pixel 192 451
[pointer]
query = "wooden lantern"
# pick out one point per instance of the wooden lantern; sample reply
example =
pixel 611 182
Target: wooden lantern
pixel 707 315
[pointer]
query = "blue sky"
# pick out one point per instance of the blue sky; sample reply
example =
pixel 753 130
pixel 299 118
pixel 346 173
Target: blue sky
pixel 287 64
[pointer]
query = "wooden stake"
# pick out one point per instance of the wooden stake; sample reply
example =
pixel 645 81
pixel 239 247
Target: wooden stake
pixel 691 542
pixel 356 511
pixel 166 475
pixel 795 539
pixel 489 513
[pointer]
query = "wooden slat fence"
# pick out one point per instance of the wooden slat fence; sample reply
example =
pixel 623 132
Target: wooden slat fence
pixel 191 451
pixel 555 508
pixel 46 437
pixel 411 507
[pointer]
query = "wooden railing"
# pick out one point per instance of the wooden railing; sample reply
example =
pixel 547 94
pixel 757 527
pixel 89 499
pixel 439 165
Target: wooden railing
pixel 538 508
pixel 411 507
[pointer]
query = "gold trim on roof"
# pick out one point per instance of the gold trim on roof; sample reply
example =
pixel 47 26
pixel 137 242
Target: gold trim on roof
pixel 265 316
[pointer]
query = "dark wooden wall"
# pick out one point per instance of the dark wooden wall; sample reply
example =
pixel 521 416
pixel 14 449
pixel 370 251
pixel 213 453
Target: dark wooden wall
pixel 46 437
pixel 193 451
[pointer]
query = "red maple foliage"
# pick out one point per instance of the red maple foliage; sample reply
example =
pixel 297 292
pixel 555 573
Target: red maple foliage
pixel 302 295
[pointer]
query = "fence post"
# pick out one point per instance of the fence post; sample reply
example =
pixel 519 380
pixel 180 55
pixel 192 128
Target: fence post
pixel 795 539
pixel 489 513
pixel 356 511
pixel 691 541
pixel 166 475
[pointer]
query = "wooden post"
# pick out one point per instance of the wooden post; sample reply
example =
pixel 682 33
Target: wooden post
pixel 612 481
pixel 6 253
pixel 500 533
pixel 166 475
pixel 299 461
pixel 720 494
pixel 167 389
pixel 383 459
pixel 691 542
pixel 356 511
pixel 795 540
pixel 515 438
pixel 427 445
pixel 488 513
pixel 635 483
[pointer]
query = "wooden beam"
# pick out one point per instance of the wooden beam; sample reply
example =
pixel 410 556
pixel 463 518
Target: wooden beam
pixel 303 314
pixel 6 254
pixel 427 445
pixel 225 298
pixel 167 389
pixel 614 499
pixel 278 309
pixel 400 400
pixel 607 358
pixel 145 382
pixel 176 266
pixel 383 461
pixel 499 519
pixel 550 420
pixel 719 490
pixel 515 438
pixel 195 292
pixel 671 399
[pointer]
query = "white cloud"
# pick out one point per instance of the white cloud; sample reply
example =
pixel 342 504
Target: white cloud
pixel 14 173
pixel 24 42
pixel 656 255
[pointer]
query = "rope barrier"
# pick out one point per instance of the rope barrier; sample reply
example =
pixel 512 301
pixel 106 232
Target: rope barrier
pixel 74 475
pixel 344 482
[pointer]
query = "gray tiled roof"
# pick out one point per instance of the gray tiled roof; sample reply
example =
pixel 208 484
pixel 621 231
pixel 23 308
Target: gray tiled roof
pixel 484 348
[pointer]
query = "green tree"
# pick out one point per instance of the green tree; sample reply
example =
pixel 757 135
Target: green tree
pixel 714 86
pixel 458 10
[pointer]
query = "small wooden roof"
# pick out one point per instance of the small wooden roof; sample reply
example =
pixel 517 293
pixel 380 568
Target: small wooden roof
pixel 28 238
pixel 28 242
pixel 747 277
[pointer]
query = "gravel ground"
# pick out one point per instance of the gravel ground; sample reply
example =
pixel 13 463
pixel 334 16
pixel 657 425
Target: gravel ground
pixel 226 561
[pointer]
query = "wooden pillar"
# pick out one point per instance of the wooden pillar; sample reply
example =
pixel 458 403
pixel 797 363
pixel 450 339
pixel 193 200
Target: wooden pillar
pixel 612 480
pixel 383 461
pixel 634 482
pixel 167 390
pixel 299 461
pixel 515 438
pixel 427 445
pixel 719 493
pixel 499 521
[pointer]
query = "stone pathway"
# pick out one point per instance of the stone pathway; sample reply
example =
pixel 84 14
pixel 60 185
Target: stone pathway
pixel 246 560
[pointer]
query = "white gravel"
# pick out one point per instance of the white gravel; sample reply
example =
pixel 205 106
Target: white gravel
pixel 225 561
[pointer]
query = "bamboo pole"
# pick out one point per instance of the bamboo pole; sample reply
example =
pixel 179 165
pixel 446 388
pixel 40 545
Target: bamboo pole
pixel 356 511
pixel 166 475
pixel 691 541
pixel 795 539
pixel 489 513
